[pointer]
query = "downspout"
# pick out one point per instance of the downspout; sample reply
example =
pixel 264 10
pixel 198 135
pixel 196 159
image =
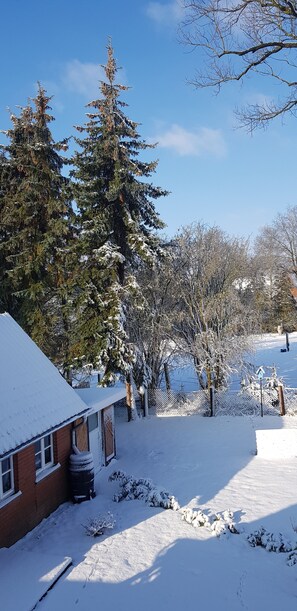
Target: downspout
pixel 74 429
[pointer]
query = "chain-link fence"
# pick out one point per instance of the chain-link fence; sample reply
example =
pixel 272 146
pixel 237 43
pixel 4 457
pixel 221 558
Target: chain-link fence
pixel 246 402
pixel 178 403
pixel 290 399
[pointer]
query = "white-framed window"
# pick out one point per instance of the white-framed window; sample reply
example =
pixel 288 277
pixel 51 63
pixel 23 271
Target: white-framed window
pixel 6 477
pixel 93 422
pixel 44 453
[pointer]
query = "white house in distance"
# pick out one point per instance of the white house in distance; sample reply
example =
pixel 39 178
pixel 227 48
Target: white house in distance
pixel 41 417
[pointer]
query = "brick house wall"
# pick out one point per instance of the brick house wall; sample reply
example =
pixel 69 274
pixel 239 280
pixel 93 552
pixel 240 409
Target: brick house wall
pixel 38 499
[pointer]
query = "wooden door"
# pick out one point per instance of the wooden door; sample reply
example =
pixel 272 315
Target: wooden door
pixel 108 427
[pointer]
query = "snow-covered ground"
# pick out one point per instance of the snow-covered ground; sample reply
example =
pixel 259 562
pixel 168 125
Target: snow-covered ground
pixel 152 558
pixel 266 353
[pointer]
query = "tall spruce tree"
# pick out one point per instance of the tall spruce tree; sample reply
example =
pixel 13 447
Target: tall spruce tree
pixel 118 223
pixel 11 178
pixel 36 217
pixel 6 299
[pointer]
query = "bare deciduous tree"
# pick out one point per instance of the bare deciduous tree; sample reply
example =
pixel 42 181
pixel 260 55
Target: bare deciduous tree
pixel 149 322
pixel 213 322
pixel 279 240
pixel 241 37
pixel 275 276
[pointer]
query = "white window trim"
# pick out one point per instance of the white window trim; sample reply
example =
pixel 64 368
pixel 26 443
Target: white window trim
pixel 45 466
pixel 45 472
pixel 10 498
pixel 6 495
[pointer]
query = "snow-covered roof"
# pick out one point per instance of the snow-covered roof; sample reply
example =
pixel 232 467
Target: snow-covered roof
pixel 98 398
pixel 34 397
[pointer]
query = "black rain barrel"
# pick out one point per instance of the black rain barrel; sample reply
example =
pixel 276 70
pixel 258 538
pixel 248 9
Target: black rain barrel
pixel 81 468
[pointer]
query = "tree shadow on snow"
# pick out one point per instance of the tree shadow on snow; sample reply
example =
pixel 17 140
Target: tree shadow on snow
pixel 216 574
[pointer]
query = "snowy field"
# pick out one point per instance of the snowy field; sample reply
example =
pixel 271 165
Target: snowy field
pixel 266 353
pixel 153 558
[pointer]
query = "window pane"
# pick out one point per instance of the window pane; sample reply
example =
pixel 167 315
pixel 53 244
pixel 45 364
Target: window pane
pixel 48 455
pixel 47 441
pixel 5 465
pixel 6 482
pixel 44 452
pixel 93 422
pixel 38 463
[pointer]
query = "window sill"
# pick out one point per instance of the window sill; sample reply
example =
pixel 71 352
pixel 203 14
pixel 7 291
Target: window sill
pixel 10 498
pixel 46 472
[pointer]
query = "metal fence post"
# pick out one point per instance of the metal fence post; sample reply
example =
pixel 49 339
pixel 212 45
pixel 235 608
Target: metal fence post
pixel 211 400
pixel 145 402
pixel 281 398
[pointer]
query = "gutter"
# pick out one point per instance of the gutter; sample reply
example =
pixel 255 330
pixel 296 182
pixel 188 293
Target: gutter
pixel 53 429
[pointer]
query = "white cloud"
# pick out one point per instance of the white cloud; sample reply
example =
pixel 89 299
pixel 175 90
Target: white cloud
pixel 259 99
pixel 200 142
pixel 171 12
pixel 82 78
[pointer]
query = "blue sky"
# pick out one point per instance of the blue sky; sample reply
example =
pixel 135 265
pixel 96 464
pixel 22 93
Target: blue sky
pixel 215 172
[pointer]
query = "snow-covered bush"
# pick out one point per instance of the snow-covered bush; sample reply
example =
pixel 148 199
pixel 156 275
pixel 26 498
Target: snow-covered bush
pixel 292 559
pixel 223 523
pixel 143 489
pixel 219 524
pixel 195 517
pixel 97 526
pixel 271 541
pixel 161 498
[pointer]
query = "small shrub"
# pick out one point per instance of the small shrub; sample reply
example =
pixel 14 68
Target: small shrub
pixel 142 488
pixel 219 524
pixel 195 518
pixel 292 559
pixel 223 523
pixel 270 541
pixel 97 526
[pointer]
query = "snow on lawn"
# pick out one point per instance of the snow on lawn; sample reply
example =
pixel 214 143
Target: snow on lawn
pixel 268 353
pixel 153 559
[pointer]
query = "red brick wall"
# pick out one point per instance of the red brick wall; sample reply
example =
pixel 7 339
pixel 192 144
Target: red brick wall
pixel 37 500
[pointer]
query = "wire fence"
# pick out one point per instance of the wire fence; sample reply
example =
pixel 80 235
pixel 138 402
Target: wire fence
pixel 178 403
pixel 290 396
pixel 244 403
pixel 247 402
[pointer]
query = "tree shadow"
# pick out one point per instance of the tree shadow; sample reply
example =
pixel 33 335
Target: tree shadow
pixel 197 455
pixel 190 571
pixel 223 574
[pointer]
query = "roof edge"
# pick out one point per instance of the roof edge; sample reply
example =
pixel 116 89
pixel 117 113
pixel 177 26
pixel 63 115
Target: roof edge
pixel 53 429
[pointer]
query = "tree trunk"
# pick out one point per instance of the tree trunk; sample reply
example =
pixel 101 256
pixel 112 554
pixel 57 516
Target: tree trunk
pixel 130 399
pixel 201 380
pixel 167 378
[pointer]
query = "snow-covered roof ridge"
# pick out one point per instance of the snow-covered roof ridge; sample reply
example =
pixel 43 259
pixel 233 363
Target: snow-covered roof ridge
pixel 97 398
pixel 34 397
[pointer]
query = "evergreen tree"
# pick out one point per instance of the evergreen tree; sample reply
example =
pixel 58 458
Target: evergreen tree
pixel 13 175
pixel 36 228
pixel 5 285
pixel 118 222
